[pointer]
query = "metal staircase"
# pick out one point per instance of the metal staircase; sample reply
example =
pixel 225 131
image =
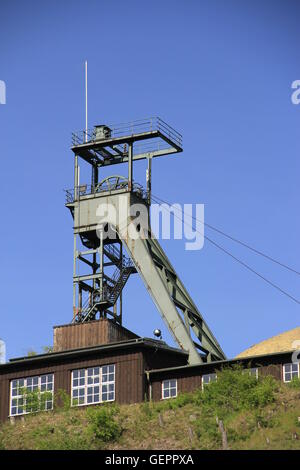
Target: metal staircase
pixel 112 287
pixel 123 277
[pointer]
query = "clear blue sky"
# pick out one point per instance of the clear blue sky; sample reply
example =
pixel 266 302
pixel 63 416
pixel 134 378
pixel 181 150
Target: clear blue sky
pixel 218 71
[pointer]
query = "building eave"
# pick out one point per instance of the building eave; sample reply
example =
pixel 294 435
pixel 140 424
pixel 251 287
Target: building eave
pixel 126 344
pixel 212 364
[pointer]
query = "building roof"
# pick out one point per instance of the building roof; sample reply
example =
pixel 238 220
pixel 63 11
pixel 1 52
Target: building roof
pixel 228 362
pixel 128 344
pixel 286 341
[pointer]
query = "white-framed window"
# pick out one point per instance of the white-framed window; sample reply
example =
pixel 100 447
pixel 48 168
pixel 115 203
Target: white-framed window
pixel 251 371
pixel 169 389
pixel 31 394
pixel 208 378
pixel 93 385
pixel 290 371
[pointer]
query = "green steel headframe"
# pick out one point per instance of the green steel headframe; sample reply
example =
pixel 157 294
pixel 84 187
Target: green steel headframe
pixel 103 264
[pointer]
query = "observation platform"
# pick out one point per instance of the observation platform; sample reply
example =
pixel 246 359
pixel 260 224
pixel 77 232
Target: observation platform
pixel 106 145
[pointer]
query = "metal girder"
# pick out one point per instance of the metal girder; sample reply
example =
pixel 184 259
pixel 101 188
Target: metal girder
pixel 117 159
pixel 88 150
pixel 87 277
pixel 182 300
pixel 169 295
pixel 116 141
pixel 85 286
pixel 89 263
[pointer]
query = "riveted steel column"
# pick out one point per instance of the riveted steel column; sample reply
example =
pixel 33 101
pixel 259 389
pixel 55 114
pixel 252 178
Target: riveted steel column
pixel 130 155
pixel 120 297
pixel 148 179
pixel 74 274
pixel 74 244
pixel 75 177
pixel 79 299
pixel 94 177
pixel 101 264
pixel 94 269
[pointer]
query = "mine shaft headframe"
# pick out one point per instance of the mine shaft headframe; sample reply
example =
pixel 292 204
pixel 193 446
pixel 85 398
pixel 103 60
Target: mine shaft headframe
pixel 113 144
pixel 102 146
pixel 109 145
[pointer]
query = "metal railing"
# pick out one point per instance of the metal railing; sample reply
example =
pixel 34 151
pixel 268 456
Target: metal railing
pixel 129 129
pixel 111 290
pixel 87 189
pixel 113 251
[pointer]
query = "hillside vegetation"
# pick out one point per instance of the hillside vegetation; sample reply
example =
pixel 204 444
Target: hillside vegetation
pixel 236 412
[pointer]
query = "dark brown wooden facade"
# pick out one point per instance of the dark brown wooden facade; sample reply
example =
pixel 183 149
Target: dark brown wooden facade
pixel 189 378
pixel 141 364
pixel 93 333
pixel 130 358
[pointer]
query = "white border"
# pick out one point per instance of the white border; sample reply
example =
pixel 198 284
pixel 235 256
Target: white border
pixel 203 384
pixel 86 386
pixel 283 371
pixel 39 388
pixel 162 389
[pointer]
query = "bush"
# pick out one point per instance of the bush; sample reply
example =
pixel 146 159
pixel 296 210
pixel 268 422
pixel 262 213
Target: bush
pixel 295 383
pixel 263 393
pixel 62 400
pixel 102 423
pixel 34 401
pixel 181 400
pixel 236 393
pixel 235 390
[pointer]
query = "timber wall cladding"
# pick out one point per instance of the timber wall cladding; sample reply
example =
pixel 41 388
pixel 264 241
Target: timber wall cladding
pixel 272 369
pixel 94 333
pixel 184 384
pixel 129 378
pixel 187 381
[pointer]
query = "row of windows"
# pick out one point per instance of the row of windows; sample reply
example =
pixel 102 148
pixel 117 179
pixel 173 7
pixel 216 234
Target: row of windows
pixel 96 385
pixel 290 372
pixel 169 387
pixel 92 385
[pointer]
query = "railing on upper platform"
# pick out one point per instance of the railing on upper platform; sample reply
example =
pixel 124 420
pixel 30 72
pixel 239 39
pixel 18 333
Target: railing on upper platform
pixel 109 185
pixel 140 126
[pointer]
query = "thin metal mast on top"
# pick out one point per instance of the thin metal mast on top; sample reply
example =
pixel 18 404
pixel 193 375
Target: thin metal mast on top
pixel 86 102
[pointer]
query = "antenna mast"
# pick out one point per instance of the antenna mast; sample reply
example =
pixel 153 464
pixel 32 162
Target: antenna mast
pixel 86 102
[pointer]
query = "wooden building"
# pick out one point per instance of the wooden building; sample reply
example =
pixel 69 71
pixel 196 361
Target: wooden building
pixel 188 378
pixel 100 362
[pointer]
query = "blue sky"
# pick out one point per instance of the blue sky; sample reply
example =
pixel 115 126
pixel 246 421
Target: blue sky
pixel 220 72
